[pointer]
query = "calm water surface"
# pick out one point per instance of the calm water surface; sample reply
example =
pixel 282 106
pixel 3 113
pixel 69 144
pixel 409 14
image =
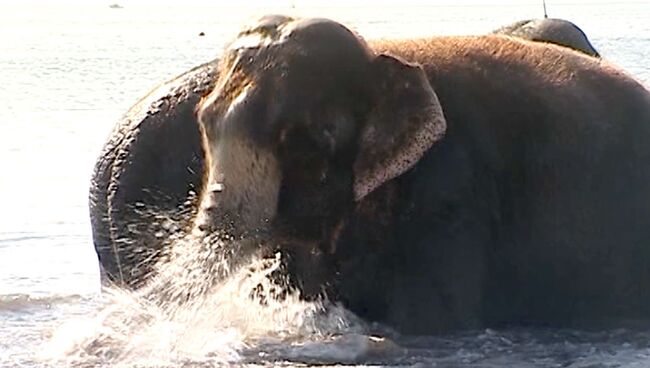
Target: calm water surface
pixel 68 72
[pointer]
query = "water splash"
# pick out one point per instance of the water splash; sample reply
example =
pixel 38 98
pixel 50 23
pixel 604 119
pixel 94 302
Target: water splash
pixel 213 302
pixel 205 305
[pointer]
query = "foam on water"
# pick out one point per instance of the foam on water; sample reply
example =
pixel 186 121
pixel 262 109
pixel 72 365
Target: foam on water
pixel 22 302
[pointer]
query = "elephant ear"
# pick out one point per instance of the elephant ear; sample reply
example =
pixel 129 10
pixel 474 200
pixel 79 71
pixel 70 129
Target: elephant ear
pixel 405 120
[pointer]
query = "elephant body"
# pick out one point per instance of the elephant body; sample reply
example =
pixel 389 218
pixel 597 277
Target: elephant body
pixel 430 184
pixel 557 31
pixel 533 209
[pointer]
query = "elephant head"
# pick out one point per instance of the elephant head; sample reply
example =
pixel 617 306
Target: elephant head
pixel 305 121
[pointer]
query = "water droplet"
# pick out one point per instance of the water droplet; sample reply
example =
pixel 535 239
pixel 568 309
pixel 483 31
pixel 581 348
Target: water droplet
pixel 216 187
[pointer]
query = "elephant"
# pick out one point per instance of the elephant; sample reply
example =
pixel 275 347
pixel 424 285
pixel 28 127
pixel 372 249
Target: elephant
pixel 153 159
pixel 430 185
pixel 120 225
pixel 552 30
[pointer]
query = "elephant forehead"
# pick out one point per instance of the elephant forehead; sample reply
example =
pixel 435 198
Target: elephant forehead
pixel 274 39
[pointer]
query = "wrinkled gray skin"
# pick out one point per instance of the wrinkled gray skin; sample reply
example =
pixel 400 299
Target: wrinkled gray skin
pixel 146 141
pixel 430 185
pixel 151 166
pixel 558 31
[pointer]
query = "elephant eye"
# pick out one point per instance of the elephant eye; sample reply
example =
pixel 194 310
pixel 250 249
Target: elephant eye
pixel 337 130
pixel 283 69
pixel 323 176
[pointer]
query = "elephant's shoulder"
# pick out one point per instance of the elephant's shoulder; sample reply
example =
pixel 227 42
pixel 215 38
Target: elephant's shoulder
pixel 162 106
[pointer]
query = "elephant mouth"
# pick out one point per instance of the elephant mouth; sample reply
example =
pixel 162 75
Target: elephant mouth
pixel 306 264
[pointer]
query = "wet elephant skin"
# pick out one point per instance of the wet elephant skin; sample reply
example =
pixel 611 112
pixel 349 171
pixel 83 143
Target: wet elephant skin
pixel 557 31
pixel 433 184
pixel 150 165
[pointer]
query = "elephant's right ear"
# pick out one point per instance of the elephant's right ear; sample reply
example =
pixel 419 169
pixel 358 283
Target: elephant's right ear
pixel 405 120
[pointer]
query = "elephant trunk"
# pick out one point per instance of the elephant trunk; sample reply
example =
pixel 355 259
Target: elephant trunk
pixel 239 204
pixel 242 177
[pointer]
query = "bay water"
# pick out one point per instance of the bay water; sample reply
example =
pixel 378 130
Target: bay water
pixel 68 71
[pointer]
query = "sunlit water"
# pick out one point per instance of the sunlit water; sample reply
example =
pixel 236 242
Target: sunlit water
pixel 69 72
